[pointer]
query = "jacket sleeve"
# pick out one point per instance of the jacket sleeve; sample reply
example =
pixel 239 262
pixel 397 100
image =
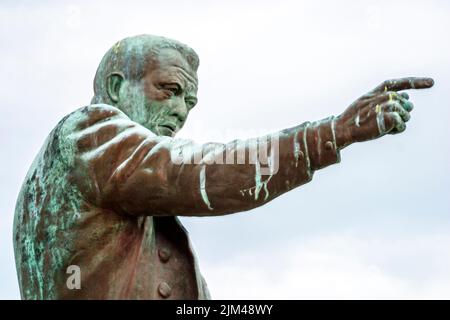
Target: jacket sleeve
pixel 122 166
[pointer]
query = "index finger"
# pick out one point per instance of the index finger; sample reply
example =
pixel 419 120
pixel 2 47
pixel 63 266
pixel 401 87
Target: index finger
pixel 404 84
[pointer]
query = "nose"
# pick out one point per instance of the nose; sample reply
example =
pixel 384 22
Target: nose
pixel 180 110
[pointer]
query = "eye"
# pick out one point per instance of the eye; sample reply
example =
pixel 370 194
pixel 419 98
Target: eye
pixel 190 103
pixel 173 88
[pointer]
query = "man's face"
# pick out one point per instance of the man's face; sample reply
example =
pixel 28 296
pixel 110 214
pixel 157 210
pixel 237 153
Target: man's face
pixel 167 93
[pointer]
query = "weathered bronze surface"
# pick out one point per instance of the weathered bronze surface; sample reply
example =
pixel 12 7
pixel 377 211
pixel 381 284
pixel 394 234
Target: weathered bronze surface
pixel 103 194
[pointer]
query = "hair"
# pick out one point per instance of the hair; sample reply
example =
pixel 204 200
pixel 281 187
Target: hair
pixel 131 56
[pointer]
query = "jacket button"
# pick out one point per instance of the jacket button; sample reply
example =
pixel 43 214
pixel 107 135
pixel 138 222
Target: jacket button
pixel 164 290
pixel 329 145
pixel 164 254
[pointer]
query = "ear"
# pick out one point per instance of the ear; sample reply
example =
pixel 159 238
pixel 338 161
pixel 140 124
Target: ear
pixel 113 83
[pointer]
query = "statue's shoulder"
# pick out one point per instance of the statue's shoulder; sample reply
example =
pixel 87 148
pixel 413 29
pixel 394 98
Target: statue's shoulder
pixel 87 116
pixel 65 135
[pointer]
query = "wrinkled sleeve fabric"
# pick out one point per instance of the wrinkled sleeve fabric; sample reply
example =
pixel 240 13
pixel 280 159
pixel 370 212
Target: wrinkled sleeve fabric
pixel 122 166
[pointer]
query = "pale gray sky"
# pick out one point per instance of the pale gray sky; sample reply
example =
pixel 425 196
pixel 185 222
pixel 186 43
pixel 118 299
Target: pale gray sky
pixel 377 225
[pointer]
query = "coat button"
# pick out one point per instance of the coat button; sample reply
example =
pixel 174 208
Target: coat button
pixel 164 254
pixel 164 290
pixel 329 145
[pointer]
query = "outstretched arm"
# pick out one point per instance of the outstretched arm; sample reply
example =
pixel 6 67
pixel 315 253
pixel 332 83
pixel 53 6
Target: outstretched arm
pixel 124 167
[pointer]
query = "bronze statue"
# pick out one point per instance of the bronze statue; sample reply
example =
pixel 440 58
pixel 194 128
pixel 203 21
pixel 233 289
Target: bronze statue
pixel 96 217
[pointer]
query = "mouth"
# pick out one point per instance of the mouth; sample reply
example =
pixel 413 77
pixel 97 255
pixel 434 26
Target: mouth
pixel 168 127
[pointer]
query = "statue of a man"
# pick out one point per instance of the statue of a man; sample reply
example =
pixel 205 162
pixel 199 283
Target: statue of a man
pixel 96 217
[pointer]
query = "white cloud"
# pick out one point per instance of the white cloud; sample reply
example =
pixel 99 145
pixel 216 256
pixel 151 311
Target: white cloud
pixel 336 267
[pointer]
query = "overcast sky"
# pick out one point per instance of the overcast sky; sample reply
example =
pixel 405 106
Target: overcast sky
pixel 377 225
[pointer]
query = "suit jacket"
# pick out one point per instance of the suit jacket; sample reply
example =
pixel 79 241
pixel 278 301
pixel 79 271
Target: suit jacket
pixel 104 193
